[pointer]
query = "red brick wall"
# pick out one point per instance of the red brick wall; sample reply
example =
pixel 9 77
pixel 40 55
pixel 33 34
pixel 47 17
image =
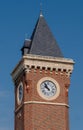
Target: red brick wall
pixel 42 116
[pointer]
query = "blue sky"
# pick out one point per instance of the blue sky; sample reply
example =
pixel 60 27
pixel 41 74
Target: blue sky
pixel 18 18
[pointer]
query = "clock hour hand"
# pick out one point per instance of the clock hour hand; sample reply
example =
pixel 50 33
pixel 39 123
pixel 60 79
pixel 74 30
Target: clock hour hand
pixel 46 86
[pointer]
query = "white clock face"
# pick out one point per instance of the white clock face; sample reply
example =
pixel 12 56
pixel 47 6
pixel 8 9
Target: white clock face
pixel 20 93
pixel 48 88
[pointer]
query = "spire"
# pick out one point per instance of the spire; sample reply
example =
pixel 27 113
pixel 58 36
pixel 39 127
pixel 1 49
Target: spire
pixel 42 41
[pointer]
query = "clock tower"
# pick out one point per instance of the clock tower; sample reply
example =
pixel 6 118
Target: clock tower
pixel 42 79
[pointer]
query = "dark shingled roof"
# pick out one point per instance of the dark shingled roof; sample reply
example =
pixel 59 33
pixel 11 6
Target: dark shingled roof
pixel 42 41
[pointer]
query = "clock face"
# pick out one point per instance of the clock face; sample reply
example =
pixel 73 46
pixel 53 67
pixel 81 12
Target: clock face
pixel 20 93
pixel 48 88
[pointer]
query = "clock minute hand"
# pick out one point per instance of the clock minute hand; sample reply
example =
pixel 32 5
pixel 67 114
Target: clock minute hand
pixel 46 86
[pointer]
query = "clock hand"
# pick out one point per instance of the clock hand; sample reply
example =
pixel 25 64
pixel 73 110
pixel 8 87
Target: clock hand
pixel 46 86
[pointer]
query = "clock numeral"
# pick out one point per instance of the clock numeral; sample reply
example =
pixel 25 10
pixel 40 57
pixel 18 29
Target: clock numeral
pixel 43 90
pixel 53 91
pixel 47 82
pixel 48 88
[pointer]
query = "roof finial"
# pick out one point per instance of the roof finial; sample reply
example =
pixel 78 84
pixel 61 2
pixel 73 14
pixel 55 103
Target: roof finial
pixel 41 10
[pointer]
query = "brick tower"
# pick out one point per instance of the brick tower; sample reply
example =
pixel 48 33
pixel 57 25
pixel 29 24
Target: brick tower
pixel 42 79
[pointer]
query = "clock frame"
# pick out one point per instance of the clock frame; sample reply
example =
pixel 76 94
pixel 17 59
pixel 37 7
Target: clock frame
pixel 49 92
pixel 19 93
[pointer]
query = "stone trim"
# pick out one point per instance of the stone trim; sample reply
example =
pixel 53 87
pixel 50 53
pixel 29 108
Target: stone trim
pixel 47 103
pixel 38 102
pixel 43 62
pixel 18 108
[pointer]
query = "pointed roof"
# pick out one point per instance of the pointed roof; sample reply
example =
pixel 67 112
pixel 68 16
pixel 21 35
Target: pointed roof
pixel 42 41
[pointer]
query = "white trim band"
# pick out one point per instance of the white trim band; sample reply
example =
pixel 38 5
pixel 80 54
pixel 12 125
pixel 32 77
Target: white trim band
pixel 46 103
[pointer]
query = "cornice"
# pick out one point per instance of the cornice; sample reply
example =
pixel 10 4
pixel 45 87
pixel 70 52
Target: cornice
pixel 47 62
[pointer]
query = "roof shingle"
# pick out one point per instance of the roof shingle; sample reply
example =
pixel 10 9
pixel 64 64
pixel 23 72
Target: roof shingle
pixel 42 41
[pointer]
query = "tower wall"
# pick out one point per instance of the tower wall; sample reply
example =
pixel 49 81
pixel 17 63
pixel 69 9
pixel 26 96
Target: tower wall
pixel 35 111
